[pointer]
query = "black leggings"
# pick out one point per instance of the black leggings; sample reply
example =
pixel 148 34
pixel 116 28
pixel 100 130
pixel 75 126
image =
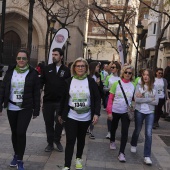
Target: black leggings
pixel 75 129
pixel 125 122
pixel 19 121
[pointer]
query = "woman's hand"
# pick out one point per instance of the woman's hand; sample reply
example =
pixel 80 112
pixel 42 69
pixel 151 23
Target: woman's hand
pixel 110 117
pixel 95 119
pixel 139 95
pixel 61 121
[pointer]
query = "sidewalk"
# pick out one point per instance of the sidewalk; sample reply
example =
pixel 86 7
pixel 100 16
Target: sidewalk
pixel 97 155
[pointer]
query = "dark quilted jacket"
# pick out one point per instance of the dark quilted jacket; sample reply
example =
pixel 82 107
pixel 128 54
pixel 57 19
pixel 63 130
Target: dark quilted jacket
pixel 31 97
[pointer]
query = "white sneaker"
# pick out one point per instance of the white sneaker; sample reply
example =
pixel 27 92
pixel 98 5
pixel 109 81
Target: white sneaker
pixel 108 135
pixel 133 149
pixel 79 164
pixel 63 132
pixel 147 161
pixel 65 168
pixel 112 146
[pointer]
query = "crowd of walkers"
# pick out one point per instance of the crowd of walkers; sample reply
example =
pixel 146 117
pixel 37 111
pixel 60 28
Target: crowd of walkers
pixel 72 98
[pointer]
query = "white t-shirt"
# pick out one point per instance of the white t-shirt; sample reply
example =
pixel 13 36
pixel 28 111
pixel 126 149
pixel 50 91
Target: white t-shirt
pixel 159 83
pixel 57 68
pixel 79 98
pixel 112 79
pixel 119 103
pixel 17 89
pixel 146 94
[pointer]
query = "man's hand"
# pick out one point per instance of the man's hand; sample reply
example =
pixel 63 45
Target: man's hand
pixel 95 119
pixel 110 117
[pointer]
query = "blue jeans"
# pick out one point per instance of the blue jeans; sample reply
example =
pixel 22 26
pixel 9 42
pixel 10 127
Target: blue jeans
pixel 149 119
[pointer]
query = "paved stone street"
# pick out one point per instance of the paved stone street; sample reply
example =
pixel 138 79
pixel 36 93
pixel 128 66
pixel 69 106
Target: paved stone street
pixel 97 155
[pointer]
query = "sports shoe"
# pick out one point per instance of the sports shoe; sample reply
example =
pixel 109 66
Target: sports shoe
pixel 14 161
pixel 49 148
pixel 147 161
pixel 91 136
pixel 108 135
pixel 20 165
pixel 59 147
pixel 66 168
pixel 133 149
pixel 79 164
pixel 121 157
pixel 112 145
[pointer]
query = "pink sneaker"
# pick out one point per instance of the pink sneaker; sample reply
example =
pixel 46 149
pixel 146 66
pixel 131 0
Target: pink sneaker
pixel 121 157
pixel 112 145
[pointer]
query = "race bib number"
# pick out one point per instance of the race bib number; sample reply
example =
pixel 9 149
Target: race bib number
pixel 79 104
pixel 17 97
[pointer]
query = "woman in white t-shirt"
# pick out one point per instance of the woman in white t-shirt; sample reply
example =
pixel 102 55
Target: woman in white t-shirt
pixel 146 97
pixel 80 106
pixel 161 85
pixel 112 78
pixel 20 94
pixel 117 108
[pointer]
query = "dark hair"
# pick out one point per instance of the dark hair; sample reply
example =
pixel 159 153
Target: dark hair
pixel 158 69
pixel 61 52
pixel 151 80
pixel 92 67
pixel 69 65
pixel 118 66
pixel 167 72
pixel 141 72
pixel 23 51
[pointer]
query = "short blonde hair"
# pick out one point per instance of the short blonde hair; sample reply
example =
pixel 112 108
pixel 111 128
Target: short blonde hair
pixel 80 59
pixel 124 69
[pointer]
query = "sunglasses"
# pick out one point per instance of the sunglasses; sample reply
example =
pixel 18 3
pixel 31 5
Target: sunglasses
pixel 80 66
pixel 126 72
pixel 160 73
pixel 22 58
pixel 113 67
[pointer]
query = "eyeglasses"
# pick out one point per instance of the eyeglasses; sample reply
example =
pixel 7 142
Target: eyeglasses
pixel 113 67
pixel 128 72
pixel 80 66
pixel 22 58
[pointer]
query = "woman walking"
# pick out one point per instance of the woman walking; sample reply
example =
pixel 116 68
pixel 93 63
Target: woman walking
pixel 20 94
pixel 79 107
pixel 146 97
pixel 117 108
pixel 112 78
pixel 94 68
pixel 161 85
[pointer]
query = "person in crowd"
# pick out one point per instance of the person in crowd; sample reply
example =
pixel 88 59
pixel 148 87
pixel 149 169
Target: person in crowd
pixel 138 79
pixel 79 107
pixel 94 73
pixel 117 108
pixel 146 97
pixel 167 77
pixel 104 73
pixel 20 94
pixel 161 85
pixel 112 78
pixel 53 78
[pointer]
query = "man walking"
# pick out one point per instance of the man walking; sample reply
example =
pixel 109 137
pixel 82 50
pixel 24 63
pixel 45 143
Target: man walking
pixel 53 78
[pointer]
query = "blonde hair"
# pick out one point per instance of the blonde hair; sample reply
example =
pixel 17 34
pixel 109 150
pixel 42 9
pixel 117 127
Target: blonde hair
pixel 80 59
pixel 124 69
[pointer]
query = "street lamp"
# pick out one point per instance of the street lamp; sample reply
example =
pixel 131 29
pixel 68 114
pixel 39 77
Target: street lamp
pixel 98 54
pixel 52 30
pixel 139 32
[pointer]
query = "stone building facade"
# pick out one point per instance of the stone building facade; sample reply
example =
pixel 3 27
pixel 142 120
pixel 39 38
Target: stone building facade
pixel 16 32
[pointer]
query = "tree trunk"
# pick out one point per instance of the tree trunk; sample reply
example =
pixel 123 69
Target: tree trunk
pixel 30 26
pixel 46 40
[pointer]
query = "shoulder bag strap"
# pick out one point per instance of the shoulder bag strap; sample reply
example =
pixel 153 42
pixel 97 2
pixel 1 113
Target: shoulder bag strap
pixel 123 93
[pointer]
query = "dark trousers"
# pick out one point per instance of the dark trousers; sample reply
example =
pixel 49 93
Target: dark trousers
pixel 75 130
pixel 53 127
pixel 158 110
pixel 125 122
pixel 19 121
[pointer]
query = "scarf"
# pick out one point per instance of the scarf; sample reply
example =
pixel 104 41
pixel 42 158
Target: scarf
pixel 80 78
pixel 21 70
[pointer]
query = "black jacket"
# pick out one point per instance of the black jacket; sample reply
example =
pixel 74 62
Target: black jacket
pixel 31 96
pixel 94 98
pixel 54 82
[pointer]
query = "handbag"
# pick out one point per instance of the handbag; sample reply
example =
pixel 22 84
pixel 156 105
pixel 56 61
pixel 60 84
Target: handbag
pixel 130 107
